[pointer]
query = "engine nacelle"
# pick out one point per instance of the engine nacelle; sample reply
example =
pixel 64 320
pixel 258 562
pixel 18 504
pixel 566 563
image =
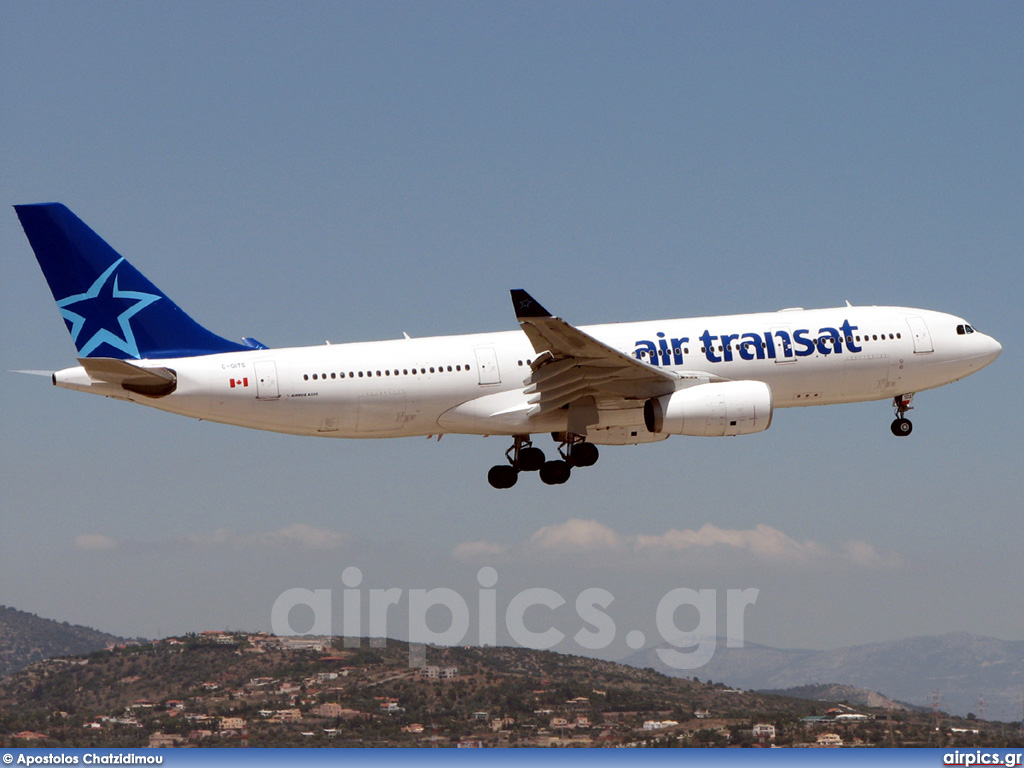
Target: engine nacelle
pixel 712 410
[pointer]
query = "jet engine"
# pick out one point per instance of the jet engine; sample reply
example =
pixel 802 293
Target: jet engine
pixel 712 410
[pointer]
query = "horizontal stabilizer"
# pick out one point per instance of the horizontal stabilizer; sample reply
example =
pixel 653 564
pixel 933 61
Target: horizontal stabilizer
pixel 252 343
pixel 152 382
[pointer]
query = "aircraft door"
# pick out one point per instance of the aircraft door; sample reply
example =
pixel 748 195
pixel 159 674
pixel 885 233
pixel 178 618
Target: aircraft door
pixel 487 364
pixel 266 380
pixel 782 341
pixel 922 338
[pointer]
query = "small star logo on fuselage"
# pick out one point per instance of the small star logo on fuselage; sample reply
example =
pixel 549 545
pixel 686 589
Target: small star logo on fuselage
pixel 103 310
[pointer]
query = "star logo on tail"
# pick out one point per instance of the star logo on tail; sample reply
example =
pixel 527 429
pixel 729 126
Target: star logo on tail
pixel 104 314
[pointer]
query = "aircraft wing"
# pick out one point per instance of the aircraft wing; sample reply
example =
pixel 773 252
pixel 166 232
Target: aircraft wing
pixel 571 364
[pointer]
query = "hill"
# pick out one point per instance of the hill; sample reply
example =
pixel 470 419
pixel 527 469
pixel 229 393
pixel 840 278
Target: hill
pixel 234 689
pixel 844 694
pixel 961 668
pixel 26 638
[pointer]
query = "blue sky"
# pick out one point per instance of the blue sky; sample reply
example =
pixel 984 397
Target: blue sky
pixel 353 171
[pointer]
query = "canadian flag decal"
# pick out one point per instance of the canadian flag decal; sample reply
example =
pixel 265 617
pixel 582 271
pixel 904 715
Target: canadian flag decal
pixel 240 382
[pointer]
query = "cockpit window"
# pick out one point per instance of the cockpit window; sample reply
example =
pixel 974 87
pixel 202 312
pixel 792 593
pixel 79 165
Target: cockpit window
pixel 964 329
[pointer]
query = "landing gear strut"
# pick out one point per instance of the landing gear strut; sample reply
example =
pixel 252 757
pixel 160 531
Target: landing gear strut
pixel 902 427
pixel 575 449
pixel 523 456
pixel 575 452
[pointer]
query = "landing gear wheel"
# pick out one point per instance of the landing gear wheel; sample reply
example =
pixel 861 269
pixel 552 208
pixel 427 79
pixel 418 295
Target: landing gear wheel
pixel 531 459
pixel 583 454
pixel 502 476
pixel 555 472
pixel 902 427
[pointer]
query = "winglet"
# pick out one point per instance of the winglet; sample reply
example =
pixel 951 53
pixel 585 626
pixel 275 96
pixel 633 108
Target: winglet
pixel 527 306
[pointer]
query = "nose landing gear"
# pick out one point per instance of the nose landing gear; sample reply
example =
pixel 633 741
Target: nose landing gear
pixel 901 426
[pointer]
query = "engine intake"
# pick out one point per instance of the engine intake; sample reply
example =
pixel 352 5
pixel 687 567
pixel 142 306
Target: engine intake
pixel 712 410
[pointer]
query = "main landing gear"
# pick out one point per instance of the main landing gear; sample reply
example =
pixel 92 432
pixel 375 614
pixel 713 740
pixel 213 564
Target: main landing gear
pixel 902 427
pixel 523 456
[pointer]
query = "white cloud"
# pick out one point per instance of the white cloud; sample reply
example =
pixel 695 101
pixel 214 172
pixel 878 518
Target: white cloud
pixel 479 551
pixel 94 542
pixel 762 541
pixel 214 538
pixel 863 554
pixel 711 543
pixel 576 535
pixel 302 535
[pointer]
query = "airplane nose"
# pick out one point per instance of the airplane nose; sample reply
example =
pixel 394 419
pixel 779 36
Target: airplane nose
pixel 992 349
pixel 996 347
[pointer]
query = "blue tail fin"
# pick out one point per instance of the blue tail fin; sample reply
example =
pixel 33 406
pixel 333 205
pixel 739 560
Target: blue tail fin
pixel 110 309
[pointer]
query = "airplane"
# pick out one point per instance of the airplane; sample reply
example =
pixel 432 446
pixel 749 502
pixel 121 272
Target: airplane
pixel 599 385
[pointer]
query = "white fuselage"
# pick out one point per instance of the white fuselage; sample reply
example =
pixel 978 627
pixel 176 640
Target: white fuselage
pixel 474 384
